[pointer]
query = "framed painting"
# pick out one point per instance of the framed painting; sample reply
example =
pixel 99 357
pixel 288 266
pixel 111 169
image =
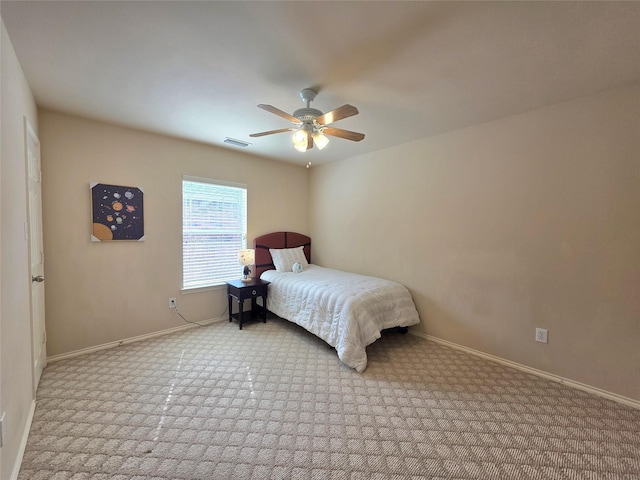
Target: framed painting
pixel 117 212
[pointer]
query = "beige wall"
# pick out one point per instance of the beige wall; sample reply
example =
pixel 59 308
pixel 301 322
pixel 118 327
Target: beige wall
pixel 529 221
pixel 104 292
pixel 16 392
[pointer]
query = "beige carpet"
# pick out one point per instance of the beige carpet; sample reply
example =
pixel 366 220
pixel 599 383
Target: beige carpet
pixel 273 402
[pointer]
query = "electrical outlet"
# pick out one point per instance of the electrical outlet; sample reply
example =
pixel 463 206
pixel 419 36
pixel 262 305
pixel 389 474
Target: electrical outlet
pixel 172 302
pixel 541 335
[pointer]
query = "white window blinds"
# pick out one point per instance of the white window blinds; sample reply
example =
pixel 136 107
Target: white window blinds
pixel 214 226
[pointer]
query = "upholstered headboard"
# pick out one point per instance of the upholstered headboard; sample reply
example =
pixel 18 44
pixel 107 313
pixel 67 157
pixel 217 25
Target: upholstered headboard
pixel 263 243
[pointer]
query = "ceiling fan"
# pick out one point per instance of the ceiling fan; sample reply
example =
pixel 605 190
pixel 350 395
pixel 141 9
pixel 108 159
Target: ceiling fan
pixel 311 124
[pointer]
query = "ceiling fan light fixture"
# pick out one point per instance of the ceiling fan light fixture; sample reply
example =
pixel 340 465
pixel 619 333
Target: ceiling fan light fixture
pixel 300 139
pixel 320 140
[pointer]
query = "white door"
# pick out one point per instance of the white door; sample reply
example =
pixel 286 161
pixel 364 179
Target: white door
pixel 36 254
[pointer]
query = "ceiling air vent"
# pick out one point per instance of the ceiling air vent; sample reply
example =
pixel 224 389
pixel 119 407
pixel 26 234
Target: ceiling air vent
pixel 237 143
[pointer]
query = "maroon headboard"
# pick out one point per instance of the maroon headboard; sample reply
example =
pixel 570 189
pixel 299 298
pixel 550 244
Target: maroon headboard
pixel 278 240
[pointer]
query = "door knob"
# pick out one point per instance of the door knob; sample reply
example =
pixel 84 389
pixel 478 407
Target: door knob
pixel 37 278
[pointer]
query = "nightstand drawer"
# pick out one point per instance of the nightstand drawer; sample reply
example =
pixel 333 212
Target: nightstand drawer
pixel 258 291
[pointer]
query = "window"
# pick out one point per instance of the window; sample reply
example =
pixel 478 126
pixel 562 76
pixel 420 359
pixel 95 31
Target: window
pixel 214 229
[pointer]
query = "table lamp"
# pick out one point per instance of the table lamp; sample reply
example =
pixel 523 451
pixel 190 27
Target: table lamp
pixel 247 256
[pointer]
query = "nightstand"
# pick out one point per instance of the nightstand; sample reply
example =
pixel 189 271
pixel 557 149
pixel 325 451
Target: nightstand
pixel 241 291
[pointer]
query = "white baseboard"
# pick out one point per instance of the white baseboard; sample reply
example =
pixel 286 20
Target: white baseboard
pixel 534 371
pixel 138 338
pixel 23 442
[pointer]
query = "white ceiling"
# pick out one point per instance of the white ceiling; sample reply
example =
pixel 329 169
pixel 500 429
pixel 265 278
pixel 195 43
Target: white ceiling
pixel 197 70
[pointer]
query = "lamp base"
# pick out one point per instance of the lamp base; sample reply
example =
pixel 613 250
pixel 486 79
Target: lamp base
pixel 246 280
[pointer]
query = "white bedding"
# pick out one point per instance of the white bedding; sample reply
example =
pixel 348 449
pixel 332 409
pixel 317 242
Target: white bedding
pixel 346 310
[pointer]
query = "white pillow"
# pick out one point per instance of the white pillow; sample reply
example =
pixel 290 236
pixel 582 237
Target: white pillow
pixel 284 258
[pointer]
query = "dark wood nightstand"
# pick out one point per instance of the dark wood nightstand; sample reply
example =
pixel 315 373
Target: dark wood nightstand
pixel 242 291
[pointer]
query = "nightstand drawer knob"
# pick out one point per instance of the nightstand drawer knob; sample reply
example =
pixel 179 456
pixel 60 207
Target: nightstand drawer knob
pixel 254 292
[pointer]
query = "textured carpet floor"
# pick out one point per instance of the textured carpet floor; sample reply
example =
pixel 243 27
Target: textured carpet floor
pixel 272 401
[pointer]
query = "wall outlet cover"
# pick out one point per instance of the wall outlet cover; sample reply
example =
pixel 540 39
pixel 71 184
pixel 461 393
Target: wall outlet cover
pixel 541 335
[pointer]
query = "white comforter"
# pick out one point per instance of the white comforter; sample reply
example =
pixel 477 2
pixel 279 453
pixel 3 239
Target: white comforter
pixel 346 310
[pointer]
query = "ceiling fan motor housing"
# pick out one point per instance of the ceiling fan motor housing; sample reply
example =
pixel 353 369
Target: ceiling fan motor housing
pixel 307 114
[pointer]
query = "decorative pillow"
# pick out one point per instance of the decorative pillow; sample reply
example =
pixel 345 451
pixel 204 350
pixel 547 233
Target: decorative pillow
pixel 284 258
pixel 297 268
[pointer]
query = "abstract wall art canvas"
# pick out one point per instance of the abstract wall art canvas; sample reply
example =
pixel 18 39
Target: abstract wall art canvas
pixel 117 212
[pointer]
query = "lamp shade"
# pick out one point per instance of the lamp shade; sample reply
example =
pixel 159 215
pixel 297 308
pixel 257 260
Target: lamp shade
pixel 300 138
pixel 247 256
pixel 320 140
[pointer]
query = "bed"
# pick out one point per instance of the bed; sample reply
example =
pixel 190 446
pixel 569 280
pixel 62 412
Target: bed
pixel 346 310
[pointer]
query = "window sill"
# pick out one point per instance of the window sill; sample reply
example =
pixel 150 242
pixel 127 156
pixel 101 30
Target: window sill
pixel 217 286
